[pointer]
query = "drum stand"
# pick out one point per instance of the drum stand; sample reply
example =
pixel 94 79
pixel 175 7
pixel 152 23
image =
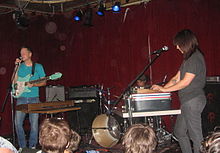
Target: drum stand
pixel 162 134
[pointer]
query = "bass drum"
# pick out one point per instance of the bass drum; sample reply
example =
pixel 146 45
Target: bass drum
pixel 106 130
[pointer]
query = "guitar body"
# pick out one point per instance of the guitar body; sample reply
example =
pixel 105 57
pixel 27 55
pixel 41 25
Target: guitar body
pixel 20 86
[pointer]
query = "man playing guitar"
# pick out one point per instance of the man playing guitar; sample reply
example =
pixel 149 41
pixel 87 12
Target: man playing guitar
pixel 27 71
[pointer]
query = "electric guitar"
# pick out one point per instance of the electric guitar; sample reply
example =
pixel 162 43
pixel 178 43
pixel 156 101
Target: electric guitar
pixel 21 87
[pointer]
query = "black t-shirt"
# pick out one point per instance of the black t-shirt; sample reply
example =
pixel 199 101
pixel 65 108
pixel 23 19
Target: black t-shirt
pixel 196 65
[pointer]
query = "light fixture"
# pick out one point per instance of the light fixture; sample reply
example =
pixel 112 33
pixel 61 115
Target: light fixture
pixel 88 17
pixel 116 7
pixel 101 9
pixel 20 19
pixel 78 16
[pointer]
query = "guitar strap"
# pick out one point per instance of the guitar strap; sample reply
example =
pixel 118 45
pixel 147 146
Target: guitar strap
pixel 33 69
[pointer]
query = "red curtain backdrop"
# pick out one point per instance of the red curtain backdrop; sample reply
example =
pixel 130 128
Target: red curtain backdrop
pixel 114 50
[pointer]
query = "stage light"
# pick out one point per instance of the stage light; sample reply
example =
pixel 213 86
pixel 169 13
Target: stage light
pixel 116 7
pixel 101 9
pixel 88 17
pixel 78 16
pixel 20 19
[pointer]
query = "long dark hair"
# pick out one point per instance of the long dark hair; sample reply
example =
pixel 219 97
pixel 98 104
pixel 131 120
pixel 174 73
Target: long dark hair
pixel 187 42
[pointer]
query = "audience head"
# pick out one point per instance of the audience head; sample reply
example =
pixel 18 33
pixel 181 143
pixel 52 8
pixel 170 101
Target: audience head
pixel 6 146
pixel 212 143
pixel 55 136
pixel 5 150
pixel 139 139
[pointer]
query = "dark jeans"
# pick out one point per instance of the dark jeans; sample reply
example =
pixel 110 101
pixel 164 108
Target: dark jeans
pixel 188 124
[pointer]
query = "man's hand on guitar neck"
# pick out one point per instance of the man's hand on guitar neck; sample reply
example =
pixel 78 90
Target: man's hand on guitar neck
pixel 43 83
pixel 30 85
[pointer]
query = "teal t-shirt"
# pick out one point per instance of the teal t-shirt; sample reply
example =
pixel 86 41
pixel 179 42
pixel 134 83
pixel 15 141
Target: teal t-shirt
pixel 25 71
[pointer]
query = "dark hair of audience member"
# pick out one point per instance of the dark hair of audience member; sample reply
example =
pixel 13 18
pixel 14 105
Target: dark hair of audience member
pixel 55 136
pixel 139 139
pixel 211 144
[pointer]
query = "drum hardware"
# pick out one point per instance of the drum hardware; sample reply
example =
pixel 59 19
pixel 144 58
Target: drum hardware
pixel 130 110
pixel 106 130
pixel 162 134
pixel 104 99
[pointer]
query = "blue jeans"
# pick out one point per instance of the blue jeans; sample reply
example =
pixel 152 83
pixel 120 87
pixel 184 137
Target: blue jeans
pixel 33 119
pixel 188 124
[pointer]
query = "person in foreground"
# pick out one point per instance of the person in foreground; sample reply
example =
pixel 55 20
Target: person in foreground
pixel 211 144
pixel 189 81
pixel 6 146
pixel 55 136
pixel 139 139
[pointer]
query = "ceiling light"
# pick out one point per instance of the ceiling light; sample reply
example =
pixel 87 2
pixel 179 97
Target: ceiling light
pixel 78 16
pixel 88 17
pixel 101 9
pixel 20 19
pixel 116 7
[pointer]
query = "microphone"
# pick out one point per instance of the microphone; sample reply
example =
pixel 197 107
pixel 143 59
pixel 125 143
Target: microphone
pixel 164 48
pixel 21 59
pixel 164 79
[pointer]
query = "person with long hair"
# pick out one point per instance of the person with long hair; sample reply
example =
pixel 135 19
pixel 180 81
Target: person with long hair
pixel 139 139
pixel 189 81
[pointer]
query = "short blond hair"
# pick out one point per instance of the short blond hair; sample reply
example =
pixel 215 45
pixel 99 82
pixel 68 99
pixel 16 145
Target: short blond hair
pixel 139 139
pixel 55 136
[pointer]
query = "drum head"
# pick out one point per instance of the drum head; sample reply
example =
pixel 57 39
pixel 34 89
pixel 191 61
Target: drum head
pixel 106 130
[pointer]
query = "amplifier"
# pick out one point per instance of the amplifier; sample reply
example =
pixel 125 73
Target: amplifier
pixel 55 93
pixel 82 92
pixel 213 79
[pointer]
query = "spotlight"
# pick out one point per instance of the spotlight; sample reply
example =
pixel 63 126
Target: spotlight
pixel 20 19
pixel 88 17
pixel 78 16
pixel 101 10
pixel 116 7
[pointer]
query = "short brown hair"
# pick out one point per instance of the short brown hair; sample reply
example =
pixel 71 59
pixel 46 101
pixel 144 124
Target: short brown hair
pixel 56 136
pixel 139 139
pixel 28 48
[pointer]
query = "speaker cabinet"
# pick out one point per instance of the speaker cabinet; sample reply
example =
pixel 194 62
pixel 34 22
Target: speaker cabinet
pixel 211 113
pixel 55 93
pixel 81 120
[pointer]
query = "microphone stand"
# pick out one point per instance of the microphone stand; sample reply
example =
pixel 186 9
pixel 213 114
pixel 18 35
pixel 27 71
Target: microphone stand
pixel 9 92
pixel 127 90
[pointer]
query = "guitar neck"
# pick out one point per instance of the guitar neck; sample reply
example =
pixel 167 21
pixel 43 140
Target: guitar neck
pixel 37 81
